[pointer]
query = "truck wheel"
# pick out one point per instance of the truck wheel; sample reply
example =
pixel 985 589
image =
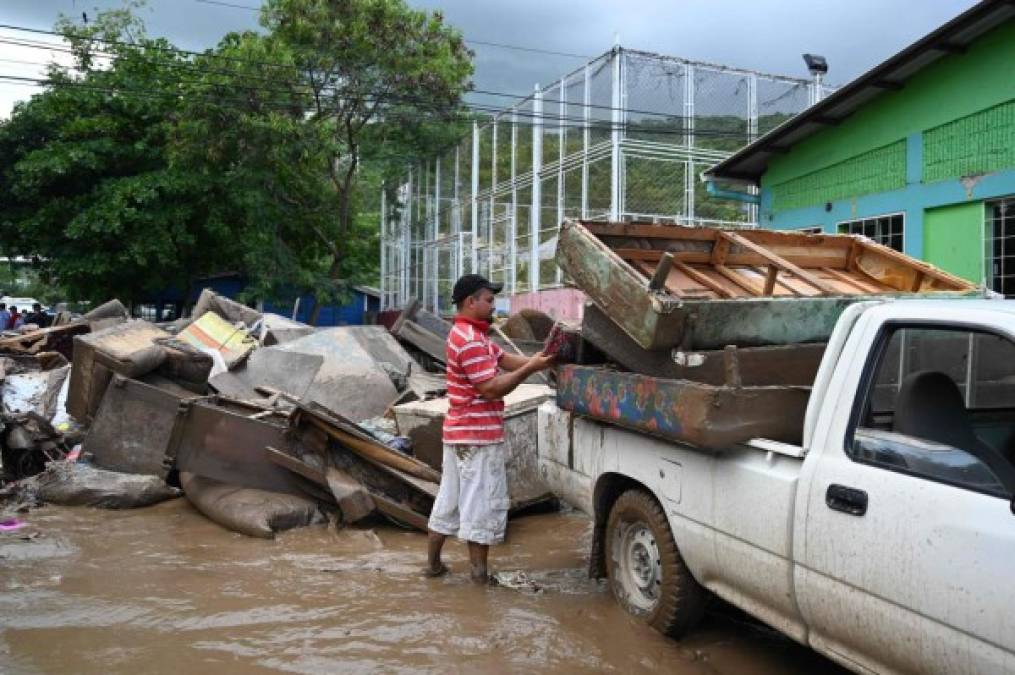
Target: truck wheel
pixel 646 573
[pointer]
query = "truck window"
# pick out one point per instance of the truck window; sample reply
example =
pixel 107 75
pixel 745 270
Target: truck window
pixel 940 405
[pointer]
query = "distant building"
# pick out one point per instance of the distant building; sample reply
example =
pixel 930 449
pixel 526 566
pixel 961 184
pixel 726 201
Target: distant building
pixel 361 307
pixel 917 154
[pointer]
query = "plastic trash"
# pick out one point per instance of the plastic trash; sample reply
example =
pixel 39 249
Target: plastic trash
pixel 11 525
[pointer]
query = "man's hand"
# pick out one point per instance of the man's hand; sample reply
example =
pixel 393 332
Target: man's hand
pixel 540 361
pixel 500 386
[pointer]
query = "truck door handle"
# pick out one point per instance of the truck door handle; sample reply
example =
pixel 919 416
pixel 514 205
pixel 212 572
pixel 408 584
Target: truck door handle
pixel 846 499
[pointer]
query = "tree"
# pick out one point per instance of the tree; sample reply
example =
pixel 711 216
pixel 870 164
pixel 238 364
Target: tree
pixel 88 189
pixel 377 72
pixel 144 167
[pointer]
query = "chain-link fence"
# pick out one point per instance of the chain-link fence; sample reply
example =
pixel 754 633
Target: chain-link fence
pixel 624 137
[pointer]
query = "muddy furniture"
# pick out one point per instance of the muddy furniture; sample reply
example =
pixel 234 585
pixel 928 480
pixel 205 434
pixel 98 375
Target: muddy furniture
pixel 361 473
pixel 772 365
pixel 704 415
pixel 136 428
pixel 428 332
pixel 705 288
pixel 423 422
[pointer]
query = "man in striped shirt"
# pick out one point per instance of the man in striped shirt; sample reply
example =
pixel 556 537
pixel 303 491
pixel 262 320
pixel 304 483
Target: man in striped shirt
pixel 472 502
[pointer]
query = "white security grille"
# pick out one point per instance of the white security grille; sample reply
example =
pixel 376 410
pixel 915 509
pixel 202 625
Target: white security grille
pixel 1000 252
pixel 885 230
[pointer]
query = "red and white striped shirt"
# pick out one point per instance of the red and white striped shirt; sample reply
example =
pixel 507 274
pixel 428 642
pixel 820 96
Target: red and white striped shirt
pixel 472 359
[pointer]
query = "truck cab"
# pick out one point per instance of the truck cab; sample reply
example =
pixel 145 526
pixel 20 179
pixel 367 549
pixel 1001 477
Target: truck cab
pixel 884 540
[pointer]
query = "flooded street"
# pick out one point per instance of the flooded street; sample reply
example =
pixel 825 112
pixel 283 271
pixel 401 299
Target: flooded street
pixel 162 589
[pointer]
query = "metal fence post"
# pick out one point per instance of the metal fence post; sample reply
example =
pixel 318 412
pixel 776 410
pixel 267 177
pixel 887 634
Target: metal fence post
pixel 615 103
pixel 425 245
pixel 436 253
pixel 752 133
pixel 384 251
pixel 457 222
pixel 513 226
pixel 586 138
pixel 689 141
pixel 474 264
pixel 403 238
pixel 537 192
pixel 491 235
pixel 561 142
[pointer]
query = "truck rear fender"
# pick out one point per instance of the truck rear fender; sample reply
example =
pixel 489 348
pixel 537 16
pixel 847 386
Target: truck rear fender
pixel 608 488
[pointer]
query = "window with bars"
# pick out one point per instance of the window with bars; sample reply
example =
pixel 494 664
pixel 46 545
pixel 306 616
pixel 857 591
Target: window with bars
pixel 1000 232
pixel 885 230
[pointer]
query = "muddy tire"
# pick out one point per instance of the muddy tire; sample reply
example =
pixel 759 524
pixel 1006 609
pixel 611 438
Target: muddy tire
pixel 647 575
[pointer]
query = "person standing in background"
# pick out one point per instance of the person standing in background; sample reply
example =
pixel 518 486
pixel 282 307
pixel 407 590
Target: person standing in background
pixel 37 316
pixel 5 317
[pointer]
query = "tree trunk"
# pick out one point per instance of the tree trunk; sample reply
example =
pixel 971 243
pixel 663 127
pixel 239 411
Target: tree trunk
pixel 333 270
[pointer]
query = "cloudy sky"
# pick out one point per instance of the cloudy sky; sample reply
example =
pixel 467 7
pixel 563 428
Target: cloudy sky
pixel 767 35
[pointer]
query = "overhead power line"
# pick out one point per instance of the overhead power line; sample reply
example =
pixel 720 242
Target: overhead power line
pixel 206 70
pixel 550 123
pixel 500 45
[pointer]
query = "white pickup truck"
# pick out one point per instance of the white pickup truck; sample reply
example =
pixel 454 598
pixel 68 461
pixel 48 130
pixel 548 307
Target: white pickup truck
pixel 886 541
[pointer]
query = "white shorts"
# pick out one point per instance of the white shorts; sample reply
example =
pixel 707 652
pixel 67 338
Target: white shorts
pixel 472 502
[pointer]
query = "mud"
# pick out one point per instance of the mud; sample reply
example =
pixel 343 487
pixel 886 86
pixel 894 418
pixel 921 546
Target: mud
pixel 162 589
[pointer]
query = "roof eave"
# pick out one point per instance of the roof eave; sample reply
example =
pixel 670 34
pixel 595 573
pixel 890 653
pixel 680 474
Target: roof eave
pixel 945 40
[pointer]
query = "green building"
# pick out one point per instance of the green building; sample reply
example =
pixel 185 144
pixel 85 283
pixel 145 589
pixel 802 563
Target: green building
pixel 917 154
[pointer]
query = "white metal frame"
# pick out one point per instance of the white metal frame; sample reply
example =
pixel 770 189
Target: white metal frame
pixel 420 259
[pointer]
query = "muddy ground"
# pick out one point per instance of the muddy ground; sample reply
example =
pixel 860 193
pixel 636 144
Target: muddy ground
pixel 163 589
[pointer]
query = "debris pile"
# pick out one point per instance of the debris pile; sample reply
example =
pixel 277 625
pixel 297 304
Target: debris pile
pixel 263 423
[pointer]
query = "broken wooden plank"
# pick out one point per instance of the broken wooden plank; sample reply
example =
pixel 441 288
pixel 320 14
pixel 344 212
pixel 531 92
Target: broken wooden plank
pixel 401 513
pixel 648 230
pixel 427 487
pixel 778 261
pixel 860 284
pixel 296 465
pixel 662 271
pixel 702 279
pixel 917 281
pixel 784 282
pixel 720 249
pixel 370 448
pixel 740 280
pixel 908 263
pixel 352 498
pixel 810 260
pixel 770 276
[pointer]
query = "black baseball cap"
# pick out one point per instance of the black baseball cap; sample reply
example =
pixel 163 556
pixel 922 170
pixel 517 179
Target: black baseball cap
pixel 469 284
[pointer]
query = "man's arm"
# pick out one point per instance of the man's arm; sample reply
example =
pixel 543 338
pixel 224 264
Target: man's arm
pixel 512 361
pixel 500 386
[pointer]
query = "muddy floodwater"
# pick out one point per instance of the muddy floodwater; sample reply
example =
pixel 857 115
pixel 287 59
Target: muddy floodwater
pixel 163 590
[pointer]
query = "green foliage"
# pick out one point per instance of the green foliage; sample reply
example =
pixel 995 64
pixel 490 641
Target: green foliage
pixel 88 189
pixel 264 156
